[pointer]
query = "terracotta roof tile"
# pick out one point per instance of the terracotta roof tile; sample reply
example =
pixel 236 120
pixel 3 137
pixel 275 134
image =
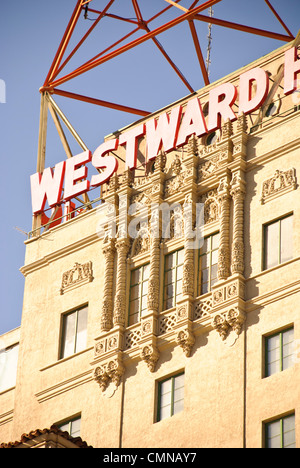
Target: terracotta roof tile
pixel 53 430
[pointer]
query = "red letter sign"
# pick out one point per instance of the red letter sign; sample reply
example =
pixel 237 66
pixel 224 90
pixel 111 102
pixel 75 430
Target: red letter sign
pixel 100 161
pixel 130 138
pixel 221 108
pixel 47 186
pixel 192 122
pixel 291 69
pixel 75 171
pixel 162 132
pixel 247 102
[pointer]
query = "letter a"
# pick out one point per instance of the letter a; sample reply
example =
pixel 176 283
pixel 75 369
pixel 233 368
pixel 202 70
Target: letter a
pixel 192 122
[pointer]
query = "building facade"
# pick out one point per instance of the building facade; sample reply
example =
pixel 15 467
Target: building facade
pixel 156 340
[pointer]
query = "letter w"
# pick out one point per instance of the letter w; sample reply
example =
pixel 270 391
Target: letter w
pixel 162 132
pixel 47 185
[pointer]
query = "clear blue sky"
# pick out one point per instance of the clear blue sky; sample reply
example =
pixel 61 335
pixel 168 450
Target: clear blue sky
pixel 30 32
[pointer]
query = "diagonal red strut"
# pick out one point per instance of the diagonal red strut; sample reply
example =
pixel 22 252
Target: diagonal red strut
pixel 85 67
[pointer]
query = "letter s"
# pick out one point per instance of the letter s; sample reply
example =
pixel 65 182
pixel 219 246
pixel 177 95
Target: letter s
pixel 100 161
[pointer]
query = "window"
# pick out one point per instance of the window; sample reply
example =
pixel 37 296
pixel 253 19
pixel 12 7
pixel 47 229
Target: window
pixel 170 396
pixel 278 242
pixel 211 139
pixel 173 278
pixel 279 351
pixel 208 261
pixel 8 367
pixel 281 433
pixel 72 427
pixel 138 293
pixel 74 332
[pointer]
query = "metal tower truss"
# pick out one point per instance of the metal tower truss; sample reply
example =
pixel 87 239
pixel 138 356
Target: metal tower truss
pixel 140 25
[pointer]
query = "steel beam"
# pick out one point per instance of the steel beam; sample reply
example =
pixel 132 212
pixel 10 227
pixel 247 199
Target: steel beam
pixel 88 66
pixel 241 27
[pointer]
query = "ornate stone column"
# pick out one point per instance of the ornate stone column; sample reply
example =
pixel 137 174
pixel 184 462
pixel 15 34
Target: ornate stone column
pixel 191 162
pixel 122 246
pixel 148 344
pixel 155 233
pixel 106 320
pixel 153 283
pixel 224 248
pixel 184 311
pixel 238 194
pixel 188 261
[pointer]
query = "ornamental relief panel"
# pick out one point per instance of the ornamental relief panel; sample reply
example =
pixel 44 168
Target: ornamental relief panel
pixel 141 243
pixel 281 182
pixel 211 206
pixel 179 175
pixel 230 291
pixel 208 167
pixel 78 275
pixel 106 345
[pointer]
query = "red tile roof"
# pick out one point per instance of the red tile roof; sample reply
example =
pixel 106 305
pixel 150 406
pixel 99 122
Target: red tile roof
pixel 53 430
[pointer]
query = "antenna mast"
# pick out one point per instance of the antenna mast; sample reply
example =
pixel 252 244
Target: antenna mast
pixel 209 37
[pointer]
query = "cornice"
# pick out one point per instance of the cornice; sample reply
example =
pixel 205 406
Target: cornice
pixel 255 162
pixel 64 386
pixel 272 296
pixel 51 257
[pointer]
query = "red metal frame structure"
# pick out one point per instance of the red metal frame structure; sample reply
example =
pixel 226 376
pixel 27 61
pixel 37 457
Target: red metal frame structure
pixel 139 24
pixel 189 15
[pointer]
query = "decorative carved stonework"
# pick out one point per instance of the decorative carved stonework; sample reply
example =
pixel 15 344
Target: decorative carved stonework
pixel 242 123
pixel 108 372
pixel 167 323
pixel 208 168
pixel 150 355
pixel 193 146
pixel 107 344
pixel 203 308
pixel 186 340
pixel 147 327
pixel 238 194
pixel 160 162
pixel 142 198
pixel 108 250
pixel 132 338
pixel 78 275
pixel 233 319
pixel 182 312
pixel 211 206
pixel 227 129
pixel 122 246
pixel 280 183
pixel 220 324
pixel 177 182
pixel 140 245
pixel 224 250
pixel 231 291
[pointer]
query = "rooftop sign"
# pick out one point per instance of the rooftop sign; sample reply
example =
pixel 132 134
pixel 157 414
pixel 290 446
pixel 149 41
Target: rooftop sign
pixel 168 131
